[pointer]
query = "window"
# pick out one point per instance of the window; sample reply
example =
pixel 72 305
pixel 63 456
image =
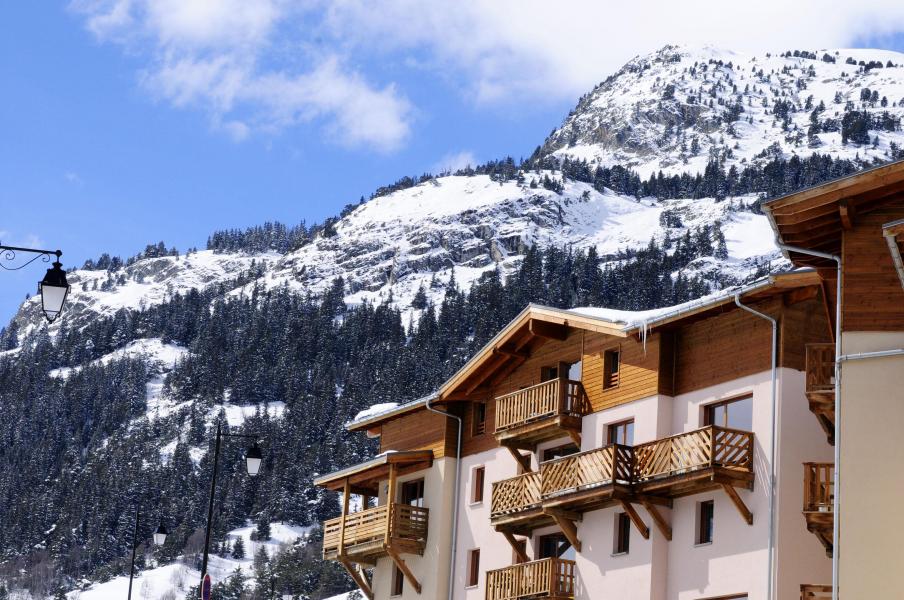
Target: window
pixel 611 366
pixel 474 567
pixel 477 478
pixel 622 534
pixel 479 418
pixel 554 545
pixel 736 413
pixel 413 492
pixel 398 582
pixel 559 451
pixel 621 433
pixel 549 373
pixel 705 512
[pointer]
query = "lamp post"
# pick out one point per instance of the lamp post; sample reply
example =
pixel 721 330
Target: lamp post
pixel 253 458
pixel 53 288
pixel 159 539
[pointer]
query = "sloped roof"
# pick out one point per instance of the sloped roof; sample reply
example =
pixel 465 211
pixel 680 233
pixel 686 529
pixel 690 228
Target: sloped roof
pixel 814 218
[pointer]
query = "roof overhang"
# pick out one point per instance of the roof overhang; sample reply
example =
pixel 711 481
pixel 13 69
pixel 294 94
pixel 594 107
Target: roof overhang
pixel 814 218
pixel 364 478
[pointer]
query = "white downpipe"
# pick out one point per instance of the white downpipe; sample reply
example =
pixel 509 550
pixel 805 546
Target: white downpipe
pixel 455 498
pixel 836 505
pixel 770 575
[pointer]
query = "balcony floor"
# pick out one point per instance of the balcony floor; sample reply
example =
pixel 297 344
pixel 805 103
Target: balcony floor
pixel 695 481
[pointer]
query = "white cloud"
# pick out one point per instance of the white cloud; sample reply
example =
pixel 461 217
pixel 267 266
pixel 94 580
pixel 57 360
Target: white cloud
pixel 73 178
pixel 264 65
pixel 219 56
pixel 502 49
pixel 454 161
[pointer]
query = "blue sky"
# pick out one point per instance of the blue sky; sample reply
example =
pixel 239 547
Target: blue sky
pixel 126 122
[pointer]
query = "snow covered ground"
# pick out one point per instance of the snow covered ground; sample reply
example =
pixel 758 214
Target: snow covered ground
pixel 171 582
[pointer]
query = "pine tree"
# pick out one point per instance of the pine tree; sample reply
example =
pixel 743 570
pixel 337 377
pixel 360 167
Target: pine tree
pixel 238 548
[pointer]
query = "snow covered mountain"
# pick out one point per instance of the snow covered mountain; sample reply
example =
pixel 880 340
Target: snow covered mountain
pixel 674 109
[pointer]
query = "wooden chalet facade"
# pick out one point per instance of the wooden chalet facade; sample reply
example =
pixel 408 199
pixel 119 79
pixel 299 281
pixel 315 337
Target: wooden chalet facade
pixel 594 444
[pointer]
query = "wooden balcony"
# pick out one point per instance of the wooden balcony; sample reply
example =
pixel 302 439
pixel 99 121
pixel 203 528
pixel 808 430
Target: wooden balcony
pixel 516 502
pixel 541 412
pixel 587 480
pixel 820 388
pixel 692 462
pixel 819 499
pixel 370 534
pixel 809 591
pixel 548 579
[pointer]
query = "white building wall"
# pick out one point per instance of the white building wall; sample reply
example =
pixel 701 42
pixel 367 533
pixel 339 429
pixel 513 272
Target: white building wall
pixel 655 569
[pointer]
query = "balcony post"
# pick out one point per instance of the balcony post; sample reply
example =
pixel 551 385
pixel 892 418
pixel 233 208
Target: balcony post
pixel 346 492
pixel 390 502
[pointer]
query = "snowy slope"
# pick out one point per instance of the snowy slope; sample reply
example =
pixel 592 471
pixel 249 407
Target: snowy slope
pixel 172 581
pixel 648 113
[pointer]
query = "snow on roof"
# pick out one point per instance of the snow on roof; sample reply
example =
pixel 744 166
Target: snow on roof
pixel 374 410
pixel 631 319
pixel 385 409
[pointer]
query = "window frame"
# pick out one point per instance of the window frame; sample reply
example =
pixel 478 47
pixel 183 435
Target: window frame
pixel 473 568
pixel 407 485
pixel 398 582
pixel 478 425
pixel 622 538
pixel 706 523
pixel 543 453
pixel 612 378
pixel 709 409
pixel 559 538
pixel 613 427
pixel 478 483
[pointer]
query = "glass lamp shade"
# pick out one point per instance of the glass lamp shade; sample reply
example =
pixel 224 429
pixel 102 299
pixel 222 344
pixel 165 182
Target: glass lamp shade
pixel 253 458
pixel 54 289
pixel 160 535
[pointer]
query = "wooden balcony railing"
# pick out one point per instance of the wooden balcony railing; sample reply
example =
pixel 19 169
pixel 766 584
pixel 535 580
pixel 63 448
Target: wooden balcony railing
pixel 711 446
pixel 367 530
pixel 556 397
pixel 820 368
pixel 819 487
pixel 815 592
pixel 549 578
pixel 515 494
pixel 610 464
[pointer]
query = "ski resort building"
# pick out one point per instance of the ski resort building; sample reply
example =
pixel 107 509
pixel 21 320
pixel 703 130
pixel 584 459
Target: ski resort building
pixel 603 454
pixel 852 232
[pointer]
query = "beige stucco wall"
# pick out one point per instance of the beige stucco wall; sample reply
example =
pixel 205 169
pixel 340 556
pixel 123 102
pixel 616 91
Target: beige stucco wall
pixel 431 569
pixel 872 481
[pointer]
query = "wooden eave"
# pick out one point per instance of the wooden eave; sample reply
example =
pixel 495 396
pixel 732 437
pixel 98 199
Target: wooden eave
pixel 530 329
pixel 815 218
pixel 365 477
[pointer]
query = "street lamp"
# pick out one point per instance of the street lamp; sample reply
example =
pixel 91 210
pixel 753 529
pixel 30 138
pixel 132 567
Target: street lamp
pixel 53 288
pixel 159 539
pixel 253 458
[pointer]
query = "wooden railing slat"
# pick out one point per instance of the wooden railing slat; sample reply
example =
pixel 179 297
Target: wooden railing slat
pixel 539 578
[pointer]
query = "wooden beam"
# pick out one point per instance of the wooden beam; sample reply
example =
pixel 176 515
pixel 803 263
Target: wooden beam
pixel 567 526
pixel 635 518
pixel 510 538
pixel 739 504
pixel 846 213
pixel 491 365
pixel 664 528
pixel 513 353
pixel 523 460
pixel 575 437
pixel 359 578
pixel 550 331
pixel 390 500
pixel 404 569
pixel 830 314
pixel 346 492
